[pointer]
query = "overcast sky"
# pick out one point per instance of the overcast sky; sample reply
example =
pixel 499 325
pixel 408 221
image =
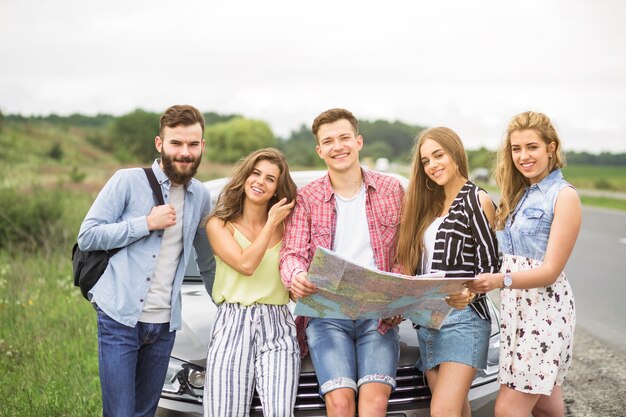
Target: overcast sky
pixel 468 65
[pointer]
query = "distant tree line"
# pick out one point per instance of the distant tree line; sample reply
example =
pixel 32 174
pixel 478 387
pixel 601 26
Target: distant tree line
pixel 382 139
pixel 231 136
pixel 76 119
pixel 603 158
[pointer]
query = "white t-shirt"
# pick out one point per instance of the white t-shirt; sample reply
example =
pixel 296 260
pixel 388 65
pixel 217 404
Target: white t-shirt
pixel 157 308
pixel 352 236
pixel 430 235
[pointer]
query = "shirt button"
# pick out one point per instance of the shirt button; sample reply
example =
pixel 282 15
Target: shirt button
pixel 141 300
pixel 160 234
pixel 148 279
pixel 154 256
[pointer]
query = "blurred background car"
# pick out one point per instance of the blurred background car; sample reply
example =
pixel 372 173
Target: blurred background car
pixel 480 175
pixel 182 392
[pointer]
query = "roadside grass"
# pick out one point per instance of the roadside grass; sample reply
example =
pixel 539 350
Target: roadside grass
pixel 604 202
pixel 48 344
pixel 599 177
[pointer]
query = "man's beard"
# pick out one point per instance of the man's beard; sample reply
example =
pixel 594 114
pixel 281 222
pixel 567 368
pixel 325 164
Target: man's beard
pixel 174 173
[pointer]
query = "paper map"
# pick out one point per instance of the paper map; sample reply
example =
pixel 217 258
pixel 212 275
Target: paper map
pixel 350 291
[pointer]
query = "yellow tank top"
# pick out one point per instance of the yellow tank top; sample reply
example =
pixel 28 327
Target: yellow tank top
pixel 264 286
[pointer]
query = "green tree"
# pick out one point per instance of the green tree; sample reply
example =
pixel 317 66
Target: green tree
pixel 233 139
pixel 481 158
pixel 211 118
pixel 132 136
pixel 375 150
pixel 299 148
pixel 397 135
pixel 56 151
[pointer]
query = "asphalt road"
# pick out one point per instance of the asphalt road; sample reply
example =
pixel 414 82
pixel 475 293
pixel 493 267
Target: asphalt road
pixel 596 383
pixel 597 274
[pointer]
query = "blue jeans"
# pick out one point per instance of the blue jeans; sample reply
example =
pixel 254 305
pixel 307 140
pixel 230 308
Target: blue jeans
pixel 133 363
pixel 350 353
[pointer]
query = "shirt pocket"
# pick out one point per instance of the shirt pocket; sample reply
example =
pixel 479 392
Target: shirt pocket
pixel 320 235
pixel 530 221
pixel 388 227
pixel 453 251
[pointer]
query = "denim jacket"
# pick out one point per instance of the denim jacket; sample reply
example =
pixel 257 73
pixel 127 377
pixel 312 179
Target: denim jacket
pixel 527 228
pixel 117 219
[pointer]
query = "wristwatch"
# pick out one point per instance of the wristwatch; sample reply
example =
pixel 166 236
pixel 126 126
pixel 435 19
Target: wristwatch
pixel 507 281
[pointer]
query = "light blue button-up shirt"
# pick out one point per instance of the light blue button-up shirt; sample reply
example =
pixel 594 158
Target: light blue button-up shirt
pixel 527 228
pixel 118 219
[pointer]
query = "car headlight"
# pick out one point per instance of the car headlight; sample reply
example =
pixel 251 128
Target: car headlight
pixel 183 381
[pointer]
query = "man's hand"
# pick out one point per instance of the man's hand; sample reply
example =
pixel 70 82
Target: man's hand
pixel 301 286
pixel 161 217
pixel 393 321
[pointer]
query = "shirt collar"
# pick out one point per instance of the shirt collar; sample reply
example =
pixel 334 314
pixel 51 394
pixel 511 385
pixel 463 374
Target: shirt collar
pixel 368 180
pixel 545 184
pixel 158 172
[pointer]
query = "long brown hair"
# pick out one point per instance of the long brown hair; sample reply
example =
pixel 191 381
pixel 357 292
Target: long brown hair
pixel 424 199
pixel 230 202
pixel 511 182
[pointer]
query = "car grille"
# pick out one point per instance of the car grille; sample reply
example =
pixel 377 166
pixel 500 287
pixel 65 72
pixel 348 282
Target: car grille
pixel 410 388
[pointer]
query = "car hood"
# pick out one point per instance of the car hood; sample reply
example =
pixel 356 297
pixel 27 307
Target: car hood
pixel 198 316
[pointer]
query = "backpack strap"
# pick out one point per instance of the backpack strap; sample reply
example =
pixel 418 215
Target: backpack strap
pixel 154 184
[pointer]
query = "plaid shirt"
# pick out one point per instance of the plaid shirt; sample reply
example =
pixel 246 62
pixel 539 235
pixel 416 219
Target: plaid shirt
pixel 314 219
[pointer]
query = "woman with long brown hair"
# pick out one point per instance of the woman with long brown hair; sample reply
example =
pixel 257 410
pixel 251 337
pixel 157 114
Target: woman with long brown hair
pixel 537 222
pixel 254 336
pixel 446 227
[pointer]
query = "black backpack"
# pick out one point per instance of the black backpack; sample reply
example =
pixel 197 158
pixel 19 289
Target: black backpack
pixel 90 265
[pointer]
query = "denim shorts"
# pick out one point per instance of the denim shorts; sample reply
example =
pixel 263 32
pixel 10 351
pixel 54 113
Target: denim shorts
pixel 463 338
pixel 350 353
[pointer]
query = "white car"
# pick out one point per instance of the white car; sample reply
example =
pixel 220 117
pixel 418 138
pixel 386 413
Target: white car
pixel 182 392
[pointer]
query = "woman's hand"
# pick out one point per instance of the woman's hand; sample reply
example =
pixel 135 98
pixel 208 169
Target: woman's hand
pixel 279 212
pixel 484 283
pixel 460 300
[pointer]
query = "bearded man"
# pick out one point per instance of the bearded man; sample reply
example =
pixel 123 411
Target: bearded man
pixel 138 299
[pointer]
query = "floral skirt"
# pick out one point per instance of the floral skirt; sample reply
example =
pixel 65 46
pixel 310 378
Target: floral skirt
pixel 536 332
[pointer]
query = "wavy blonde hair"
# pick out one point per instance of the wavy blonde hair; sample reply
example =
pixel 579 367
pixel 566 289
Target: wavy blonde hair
pixel 230 202
pixel 511 182
pixel 421 203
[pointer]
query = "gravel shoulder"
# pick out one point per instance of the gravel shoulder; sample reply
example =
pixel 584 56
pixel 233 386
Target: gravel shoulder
pixel 596 383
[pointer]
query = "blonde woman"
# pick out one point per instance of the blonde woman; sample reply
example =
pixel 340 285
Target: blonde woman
pixel 446 227
pixel 537 222
pixel 254 336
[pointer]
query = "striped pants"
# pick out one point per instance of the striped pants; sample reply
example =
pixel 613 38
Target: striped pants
pixel 252 346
